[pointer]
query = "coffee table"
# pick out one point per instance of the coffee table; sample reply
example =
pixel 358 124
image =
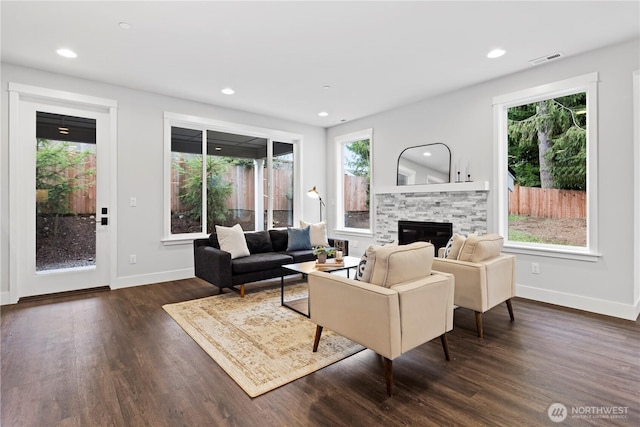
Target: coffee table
pixel 301 305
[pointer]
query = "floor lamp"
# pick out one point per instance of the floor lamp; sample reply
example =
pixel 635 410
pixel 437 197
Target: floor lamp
pixel 313 193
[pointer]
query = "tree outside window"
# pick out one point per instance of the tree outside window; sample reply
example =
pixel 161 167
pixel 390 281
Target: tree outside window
pixel 547 158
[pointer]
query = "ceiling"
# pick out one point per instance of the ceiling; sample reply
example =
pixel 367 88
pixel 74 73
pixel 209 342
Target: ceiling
pixel 279 56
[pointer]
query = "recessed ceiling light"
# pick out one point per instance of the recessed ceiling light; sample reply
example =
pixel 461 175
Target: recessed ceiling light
pixel 326 87
pixel 228 91
pixel 218 148
pixel 426 153
pixel 496 53
pixel 124 25
pixel 323 114
pixel 67 53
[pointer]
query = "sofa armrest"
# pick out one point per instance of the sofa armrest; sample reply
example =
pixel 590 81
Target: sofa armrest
pixel 426 308
pixel 211 264
pixel 365 313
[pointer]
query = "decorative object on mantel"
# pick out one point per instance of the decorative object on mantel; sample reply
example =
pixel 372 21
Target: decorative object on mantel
pixel 260 362
pixel 313 193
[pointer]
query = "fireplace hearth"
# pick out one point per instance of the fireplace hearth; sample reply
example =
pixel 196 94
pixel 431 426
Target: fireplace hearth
pixel 437 233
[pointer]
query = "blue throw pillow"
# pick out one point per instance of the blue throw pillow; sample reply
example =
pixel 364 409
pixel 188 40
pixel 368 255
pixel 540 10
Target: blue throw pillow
pixel 299 239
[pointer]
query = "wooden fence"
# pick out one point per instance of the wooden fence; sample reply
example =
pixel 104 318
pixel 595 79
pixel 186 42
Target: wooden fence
pixel 547 202
pixel 243 186
pixel 243 190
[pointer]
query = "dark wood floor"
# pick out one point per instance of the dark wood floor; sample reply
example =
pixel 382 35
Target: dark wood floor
pixel 116 358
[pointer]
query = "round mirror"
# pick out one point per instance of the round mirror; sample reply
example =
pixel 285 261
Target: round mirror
pixel 424 164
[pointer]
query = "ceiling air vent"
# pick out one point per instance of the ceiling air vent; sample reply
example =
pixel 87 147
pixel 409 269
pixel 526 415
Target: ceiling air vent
pixel 544 59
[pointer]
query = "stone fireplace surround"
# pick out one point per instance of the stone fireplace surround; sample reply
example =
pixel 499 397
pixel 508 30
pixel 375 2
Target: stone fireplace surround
pixel 462 204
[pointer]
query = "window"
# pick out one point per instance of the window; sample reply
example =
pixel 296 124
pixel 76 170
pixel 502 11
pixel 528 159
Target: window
pixel 354 181
pixel 246 177
pixel 546 145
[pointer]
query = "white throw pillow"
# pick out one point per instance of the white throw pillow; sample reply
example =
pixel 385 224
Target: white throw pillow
pixel 318 233
pixel 231 239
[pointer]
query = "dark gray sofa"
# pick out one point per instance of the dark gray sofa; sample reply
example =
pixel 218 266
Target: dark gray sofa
pixel 268 253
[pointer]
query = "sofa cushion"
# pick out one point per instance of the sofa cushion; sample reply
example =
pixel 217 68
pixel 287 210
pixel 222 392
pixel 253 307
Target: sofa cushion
pixel 317 232
pixel 258 241
pixel 299 239
pixel 279 239
pixel 259 262
pixel 481 248
pixel 403 263
pixel 232 240
pixel 302 256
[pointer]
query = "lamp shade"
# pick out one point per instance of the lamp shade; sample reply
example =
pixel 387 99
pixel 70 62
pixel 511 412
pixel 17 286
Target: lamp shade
pixel 313 193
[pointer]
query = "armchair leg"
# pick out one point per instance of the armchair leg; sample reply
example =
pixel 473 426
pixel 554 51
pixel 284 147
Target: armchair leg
pixel 445 345
pixel 388 375
pixel 510 308
pixel 316 341
pixel 479 323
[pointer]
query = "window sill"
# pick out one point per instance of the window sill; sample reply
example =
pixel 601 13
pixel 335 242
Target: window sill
pixel 182 239
pixel 564 253
pixel 353 232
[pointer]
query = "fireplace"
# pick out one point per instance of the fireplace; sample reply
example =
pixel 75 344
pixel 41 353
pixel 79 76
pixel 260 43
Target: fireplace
pixel 438 233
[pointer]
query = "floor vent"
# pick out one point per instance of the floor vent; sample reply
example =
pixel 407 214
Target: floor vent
pixel 544 59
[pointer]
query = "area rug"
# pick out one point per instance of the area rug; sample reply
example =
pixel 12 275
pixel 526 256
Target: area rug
pixel 259 343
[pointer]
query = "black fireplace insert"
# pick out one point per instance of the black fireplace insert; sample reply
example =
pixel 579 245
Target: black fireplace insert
pixel 437 233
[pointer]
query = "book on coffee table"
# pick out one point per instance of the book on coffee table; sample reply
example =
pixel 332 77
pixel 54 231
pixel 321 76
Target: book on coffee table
pixel 330 263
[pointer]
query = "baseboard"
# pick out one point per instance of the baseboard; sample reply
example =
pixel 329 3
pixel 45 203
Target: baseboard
pixel 5 298
pixel 147 279
pixel 593 305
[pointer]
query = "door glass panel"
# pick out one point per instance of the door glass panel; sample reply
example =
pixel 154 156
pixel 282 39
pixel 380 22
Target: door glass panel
pixel 65 192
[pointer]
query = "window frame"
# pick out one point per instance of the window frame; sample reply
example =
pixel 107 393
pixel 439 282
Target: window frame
pixel 204 124
pixel 340 141
pixel 587 83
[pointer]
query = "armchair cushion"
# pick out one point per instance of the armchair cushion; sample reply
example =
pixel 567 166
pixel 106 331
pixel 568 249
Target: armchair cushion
pixel 481 248
pixel 403 263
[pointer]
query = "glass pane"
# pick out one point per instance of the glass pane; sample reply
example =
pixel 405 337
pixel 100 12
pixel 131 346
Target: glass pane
pixel 547 165
pixel 356 184
pixel 65 192
pixel 282 185
pixel 186 180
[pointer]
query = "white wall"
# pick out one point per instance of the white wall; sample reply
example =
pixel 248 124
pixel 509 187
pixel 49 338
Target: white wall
pixel 140 172
pixel 464 121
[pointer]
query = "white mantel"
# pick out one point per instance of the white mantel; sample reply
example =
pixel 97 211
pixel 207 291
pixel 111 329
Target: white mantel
pixel 433 188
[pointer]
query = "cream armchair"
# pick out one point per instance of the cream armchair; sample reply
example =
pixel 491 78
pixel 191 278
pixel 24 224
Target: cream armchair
pixel 404 306
pixel 484 277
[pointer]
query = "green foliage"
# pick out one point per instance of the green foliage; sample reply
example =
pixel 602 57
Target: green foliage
pixel 558 121
pixel 359 164
pixel 60 171
pixel 218 190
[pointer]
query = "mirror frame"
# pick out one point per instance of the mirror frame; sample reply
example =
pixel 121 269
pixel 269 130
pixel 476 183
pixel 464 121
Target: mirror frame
pixel 419 146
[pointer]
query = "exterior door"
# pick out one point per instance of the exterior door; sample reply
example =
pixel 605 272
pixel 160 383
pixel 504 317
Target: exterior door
pixel 61 182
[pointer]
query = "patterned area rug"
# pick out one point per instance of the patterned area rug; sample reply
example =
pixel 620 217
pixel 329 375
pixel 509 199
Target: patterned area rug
pixel 260 344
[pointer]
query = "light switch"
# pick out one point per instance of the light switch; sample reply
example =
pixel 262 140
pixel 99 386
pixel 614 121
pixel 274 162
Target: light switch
pixel 133 202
